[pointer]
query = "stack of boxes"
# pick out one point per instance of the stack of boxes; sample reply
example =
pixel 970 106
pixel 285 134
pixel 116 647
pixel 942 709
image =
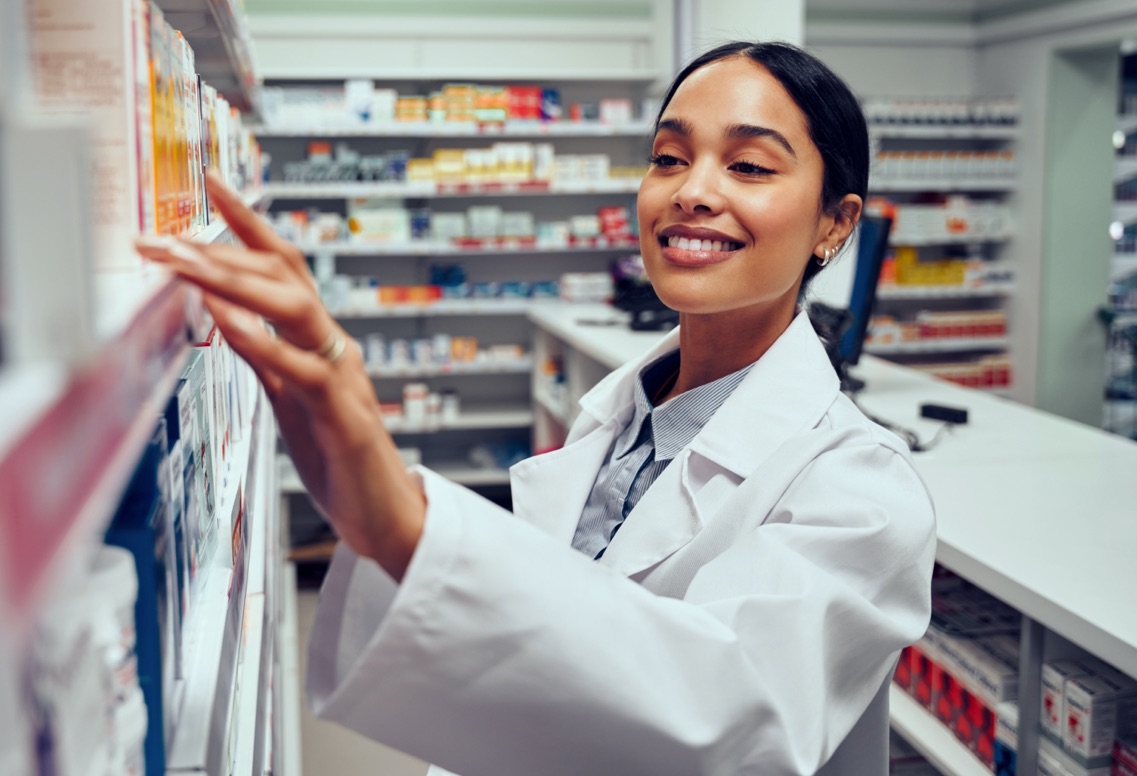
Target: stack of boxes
pixel 118 66
pixel 964 671
pixel 966 665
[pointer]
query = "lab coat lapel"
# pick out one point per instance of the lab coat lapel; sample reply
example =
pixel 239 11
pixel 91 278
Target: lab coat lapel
pixel 550 490
pixel 787 392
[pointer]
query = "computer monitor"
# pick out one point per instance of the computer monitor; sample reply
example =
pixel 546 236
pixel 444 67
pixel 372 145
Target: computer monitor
pixel 850 325
pixel 872 246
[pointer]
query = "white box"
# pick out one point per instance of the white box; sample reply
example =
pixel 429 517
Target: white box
pixel 90 58
pixel 1093 706
pixel 1054 676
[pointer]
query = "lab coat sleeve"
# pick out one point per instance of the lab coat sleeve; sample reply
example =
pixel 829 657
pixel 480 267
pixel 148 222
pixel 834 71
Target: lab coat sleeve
pixel 503 652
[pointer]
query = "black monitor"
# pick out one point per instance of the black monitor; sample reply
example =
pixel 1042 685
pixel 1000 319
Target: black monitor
pixel 850 326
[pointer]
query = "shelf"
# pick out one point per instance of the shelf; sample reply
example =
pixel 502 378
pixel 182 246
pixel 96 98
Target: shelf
pixel 446 248
pixel 522 365
pixel 249 686
pixel 444 307
pixel 81 439
pixel 1125 212
pixel 942 185
pixel 955 239
pixel 901 292
pixel 1124 168
pixel 211 654
pixel 215 30
pixel 463 474
pixel 931 738
pixel 429 189
pixel 938 346
pixel 1127 123
pixel 468 420
pixel 465 130
pixel 946 131
pixel 555 409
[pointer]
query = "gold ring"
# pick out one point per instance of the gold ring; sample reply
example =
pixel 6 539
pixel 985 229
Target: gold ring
pixel 334 347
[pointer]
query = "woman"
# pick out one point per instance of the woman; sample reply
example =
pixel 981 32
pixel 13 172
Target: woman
pixel 717 571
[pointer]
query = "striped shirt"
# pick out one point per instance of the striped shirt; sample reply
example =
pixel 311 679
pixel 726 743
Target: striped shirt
pixel 645 447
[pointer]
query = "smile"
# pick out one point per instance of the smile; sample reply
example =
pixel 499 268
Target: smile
pixel 685 244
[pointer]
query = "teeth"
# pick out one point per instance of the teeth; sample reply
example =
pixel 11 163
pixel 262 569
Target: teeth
pixel 686 244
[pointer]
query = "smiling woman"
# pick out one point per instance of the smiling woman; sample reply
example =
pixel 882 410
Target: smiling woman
pixel 714 575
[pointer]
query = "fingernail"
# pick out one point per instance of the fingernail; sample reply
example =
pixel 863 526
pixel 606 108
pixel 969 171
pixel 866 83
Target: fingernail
pixel 186 252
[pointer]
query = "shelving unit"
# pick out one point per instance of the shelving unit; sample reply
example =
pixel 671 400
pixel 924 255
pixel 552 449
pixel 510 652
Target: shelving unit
pixel 472 249
pixel 431 190
pixel 975 163
pixel 527 129
pixel 953 345
pixel 216 31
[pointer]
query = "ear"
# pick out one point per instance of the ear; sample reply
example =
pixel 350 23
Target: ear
pixel 848 212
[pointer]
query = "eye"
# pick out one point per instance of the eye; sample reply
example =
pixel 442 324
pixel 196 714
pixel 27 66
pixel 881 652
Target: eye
pixel 663 160
pixel 749 168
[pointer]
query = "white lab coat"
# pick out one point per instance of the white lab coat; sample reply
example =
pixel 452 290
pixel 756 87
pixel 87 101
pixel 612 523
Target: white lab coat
pixel 746 617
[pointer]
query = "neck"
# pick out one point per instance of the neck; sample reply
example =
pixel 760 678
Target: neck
pixel 713 346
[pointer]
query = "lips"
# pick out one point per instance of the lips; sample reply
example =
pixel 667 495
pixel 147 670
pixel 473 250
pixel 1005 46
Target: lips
pixel 696 246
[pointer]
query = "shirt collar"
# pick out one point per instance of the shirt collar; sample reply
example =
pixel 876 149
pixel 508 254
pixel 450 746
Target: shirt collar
pixel 675 422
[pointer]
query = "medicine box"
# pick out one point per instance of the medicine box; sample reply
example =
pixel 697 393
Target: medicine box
pixel 90 59
pixel 1006 738
pixel 1054 676
pixel 1097 709
pixel 969 680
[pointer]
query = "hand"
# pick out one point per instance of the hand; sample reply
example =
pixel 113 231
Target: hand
pixel 313 375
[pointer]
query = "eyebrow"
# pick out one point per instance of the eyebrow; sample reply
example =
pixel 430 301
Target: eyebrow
pixel 734 132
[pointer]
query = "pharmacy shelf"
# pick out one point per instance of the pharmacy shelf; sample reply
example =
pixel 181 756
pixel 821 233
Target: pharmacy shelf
pixel 458 129
pixel 80 439
pixel 444 307
pixel 942 184
pixel 1124 168
pixel 472 248
pixel 461 473
pixel 1125 212
pixel 430 189
pixel 522 365
pixel 250 687
pixel 556 409
pixel 1122 265
pixel 931 738
pixel 219 616
pixel 947 345
pixel 902 292
pixel 953 239
pixel 215 30
pixel 1127 123
pixel 945 131
pixel 469 420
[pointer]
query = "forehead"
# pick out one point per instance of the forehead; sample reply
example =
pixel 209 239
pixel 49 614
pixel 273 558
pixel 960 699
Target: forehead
pixel 738 90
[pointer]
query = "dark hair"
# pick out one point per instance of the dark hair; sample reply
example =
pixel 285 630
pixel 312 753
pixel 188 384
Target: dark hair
pixel 833 116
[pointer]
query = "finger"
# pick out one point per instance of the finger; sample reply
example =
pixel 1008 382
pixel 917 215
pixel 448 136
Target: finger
pixel 252 230
pixel 293 307
pixel 236 317
pixel 235 258
pixel 267 354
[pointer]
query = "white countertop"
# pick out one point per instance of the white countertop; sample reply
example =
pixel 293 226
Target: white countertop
pixel 1038 510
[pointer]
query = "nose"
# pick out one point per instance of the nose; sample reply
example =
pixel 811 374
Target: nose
pixel 700 190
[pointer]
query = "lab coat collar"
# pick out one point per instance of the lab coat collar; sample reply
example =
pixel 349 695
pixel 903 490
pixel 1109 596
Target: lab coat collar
pixel 788 390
